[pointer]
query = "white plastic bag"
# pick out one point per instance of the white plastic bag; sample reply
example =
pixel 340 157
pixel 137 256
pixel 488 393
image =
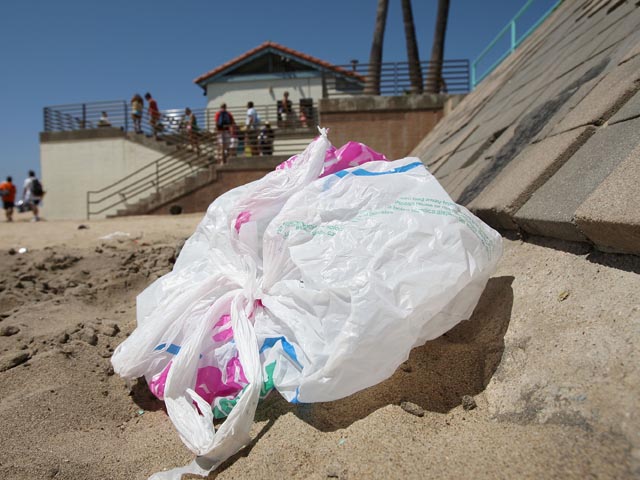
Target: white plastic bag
pixel 317 286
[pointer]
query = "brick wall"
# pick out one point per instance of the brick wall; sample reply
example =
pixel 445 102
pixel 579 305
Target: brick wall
pixel 198 200
pixel 390 125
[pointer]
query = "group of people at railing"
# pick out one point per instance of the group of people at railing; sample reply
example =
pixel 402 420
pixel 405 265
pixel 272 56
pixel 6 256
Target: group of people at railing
pixel 253 138
pixel 137 109
pixel 220 136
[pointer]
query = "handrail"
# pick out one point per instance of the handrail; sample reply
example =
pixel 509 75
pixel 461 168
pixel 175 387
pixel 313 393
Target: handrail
pixel 87 115
pixel 515 41
pixel 162 172
pixel 166 169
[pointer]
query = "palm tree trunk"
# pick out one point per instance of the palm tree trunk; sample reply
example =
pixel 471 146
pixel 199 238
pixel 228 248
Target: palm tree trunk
pixel 415 72
pixel 372 86
pixel 435 82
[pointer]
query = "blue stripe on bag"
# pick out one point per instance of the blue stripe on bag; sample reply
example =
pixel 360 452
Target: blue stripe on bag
pixel 361 172
pixel 286 346
pixel 173 349
pixel 295 398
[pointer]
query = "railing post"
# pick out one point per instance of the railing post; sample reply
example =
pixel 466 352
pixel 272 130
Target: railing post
pixel 45 118
pixel 325 91
pixel 88 205
pixel 84 116
pixel 473 74
pixel 395 79
pixel 513 35
pixel 126 116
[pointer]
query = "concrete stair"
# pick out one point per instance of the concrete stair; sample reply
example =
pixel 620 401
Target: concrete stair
pixel 200 177
pixel 164 145
pixel 180 172
pixel 203 175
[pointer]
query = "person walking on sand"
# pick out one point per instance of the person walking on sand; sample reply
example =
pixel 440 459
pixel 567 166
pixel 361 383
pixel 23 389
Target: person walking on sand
pixel 8 193
pixel 154 114
pixel 32 193
pixel 137 104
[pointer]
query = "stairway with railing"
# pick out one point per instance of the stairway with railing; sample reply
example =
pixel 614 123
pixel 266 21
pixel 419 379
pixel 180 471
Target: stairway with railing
pixel 190 157
pixel 187 158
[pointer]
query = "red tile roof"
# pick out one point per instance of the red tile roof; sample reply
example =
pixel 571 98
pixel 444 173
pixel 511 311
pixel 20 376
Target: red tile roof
pixel 283 49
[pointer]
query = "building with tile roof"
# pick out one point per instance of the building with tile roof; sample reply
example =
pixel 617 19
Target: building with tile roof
pixel 263 74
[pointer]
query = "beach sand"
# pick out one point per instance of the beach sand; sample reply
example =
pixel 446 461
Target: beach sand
pixel 550 358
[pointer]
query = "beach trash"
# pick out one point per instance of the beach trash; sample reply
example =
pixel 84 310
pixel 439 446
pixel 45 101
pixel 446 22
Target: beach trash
pixel 116 236
pixel 316 281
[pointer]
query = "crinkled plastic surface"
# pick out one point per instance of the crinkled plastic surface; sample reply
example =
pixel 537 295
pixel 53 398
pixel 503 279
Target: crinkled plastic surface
pixel 314 280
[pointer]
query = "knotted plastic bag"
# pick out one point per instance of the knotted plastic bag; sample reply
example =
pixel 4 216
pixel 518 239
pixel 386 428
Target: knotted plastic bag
pixel 316 280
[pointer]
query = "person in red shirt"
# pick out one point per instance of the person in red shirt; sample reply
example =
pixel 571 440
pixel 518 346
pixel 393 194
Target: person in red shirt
pixel 154 114
pixel 8 192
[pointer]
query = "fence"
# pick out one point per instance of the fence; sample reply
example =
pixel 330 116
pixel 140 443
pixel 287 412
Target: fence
pixel 395 78
pixel 80 116
pixel 513 39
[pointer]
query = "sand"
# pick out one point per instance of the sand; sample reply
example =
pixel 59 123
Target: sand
pixel 549 358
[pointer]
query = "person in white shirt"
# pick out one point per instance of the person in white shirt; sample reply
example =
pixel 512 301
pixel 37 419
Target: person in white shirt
pixel 32 194
pixel 104 120
pixel 251 125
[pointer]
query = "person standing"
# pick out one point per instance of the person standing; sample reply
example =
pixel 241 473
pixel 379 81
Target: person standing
pixel 104 120
pixel 137 105
pixel 32 193
pixel 8 192
pixel 154 114
pixel 224 121
pixel 285 111
pixel 251 124
pixel 266 139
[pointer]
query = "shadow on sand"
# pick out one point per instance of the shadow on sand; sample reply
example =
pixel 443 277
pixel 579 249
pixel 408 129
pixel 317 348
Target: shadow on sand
pixel 436 376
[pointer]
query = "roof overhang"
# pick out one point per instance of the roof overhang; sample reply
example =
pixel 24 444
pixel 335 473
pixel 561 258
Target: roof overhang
pixel 219 73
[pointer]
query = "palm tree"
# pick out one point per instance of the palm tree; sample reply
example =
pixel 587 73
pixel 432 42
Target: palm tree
pixel 435 82
pixel 372 86
pixel 415 72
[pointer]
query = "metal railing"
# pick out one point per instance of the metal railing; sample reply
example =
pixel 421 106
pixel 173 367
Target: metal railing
pixel 78 116
pixel 511 30
pixel 81 116
pixel 395 78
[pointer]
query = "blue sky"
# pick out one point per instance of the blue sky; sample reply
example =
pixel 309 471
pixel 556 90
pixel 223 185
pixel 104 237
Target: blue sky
pixel 68 51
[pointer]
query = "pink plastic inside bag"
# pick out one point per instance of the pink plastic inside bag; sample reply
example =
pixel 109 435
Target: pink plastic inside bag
pixel 351 154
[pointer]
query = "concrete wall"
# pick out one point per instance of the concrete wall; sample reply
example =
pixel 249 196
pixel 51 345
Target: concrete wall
pixel 73 163
pixel 390 125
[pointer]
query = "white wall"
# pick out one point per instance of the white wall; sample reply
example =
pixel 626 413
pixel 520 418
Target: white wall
pixel 71 168
pixel 262 92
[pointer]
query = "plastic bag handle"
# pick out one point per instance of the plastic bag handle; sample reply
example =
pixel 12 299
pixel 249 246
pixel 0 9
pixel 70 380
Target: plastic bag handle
pixel 195 426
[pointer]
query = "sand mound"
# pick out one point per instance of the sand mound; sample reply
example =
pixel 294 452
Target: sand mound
pixel 548 359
